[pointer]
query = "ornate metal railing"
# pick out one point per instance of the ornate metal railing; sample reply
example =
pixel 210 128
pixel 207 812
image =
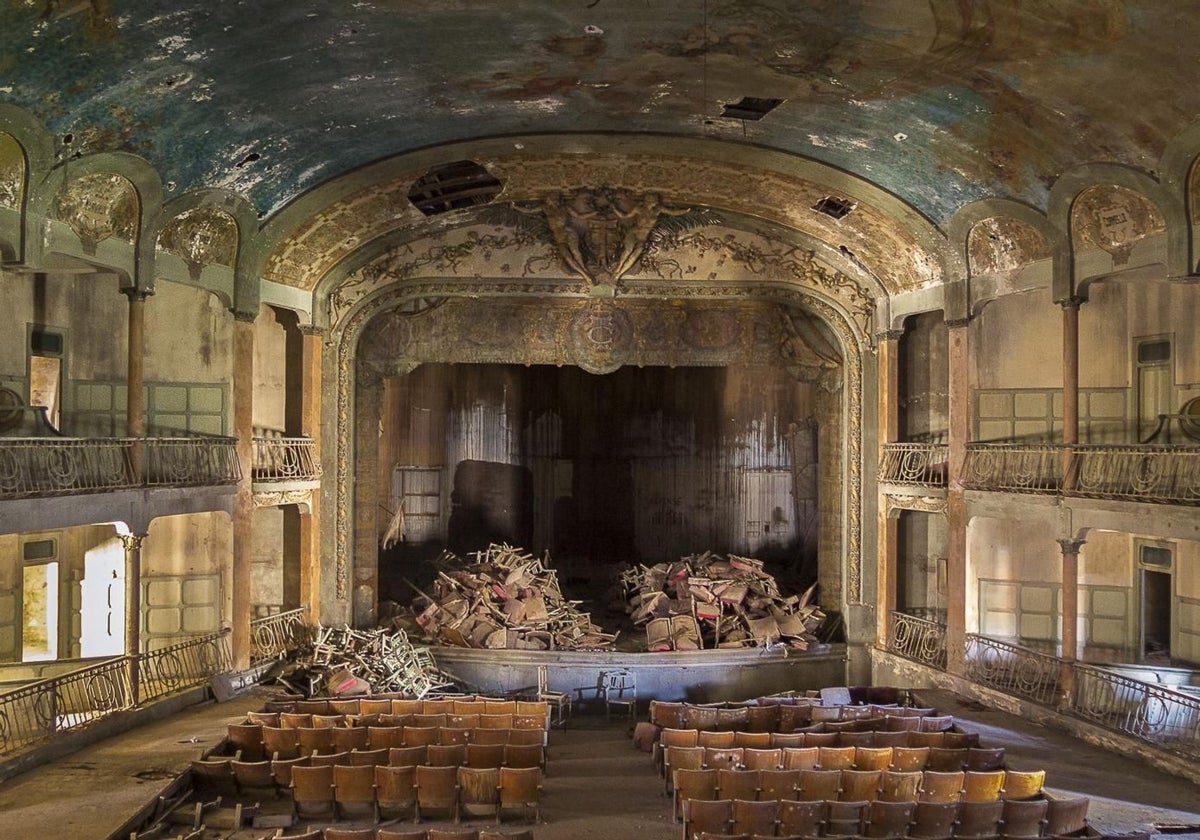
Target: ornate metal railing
pixel 1015 467
pixel 41 710
pixel 278 634
pixel 923 464
pixel 917 639
pixel 285 459
pixel 183 665
pixel 1154 713
pixel 1013 670
pixel 57 466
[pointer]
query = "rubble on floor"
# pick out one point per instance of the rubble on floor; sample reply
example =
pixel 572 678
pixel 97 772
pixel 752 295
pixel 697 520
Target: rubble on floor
pixel 345 662
pixel 504 598
pixel 708 600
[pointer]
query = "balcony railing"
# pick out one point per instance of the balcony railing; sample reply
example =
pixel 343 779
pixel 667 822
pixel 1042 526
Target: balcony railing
pixel 1169 474
pixel 278 634
pixel 1154 713
pixel 41 710
pixel 285 459
pixel 917 639
pixel 183 665
pixel 59 466
pixel 922 464
pixel 1013 670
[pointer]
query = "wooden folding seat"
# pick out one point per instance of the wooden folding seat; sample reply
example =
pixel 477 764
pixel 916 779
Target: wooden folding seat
pixel 960 740
pixel 846 819
pixel 213 777
pixel 984 758
pixel 454 734
pixel 421 736
pixel 335 833
pixel 666 715
pixel 734 719
pixel 836 758
pixel 982 787
pixel 314 740
pixel 263 718
pixel 499 707
pixel 979 820
pixel 787 739
pixel 692 784
pixel 906 759
pixel 778 784
pixel 404 706
pixel 826 714
pixel 294 720
pixel 842 727
pixel 523 737
pixel 524 755
pixel 860 785
pixel 889 820
pixel 945 760
pixel 485 755
pixel 456 722
pixel 396 832
pixel 715 738
pixel 1021 819
pixel 820 739
pixel 872 758
pixel 394 720
pixel 385 737
pixel 755 818
pixel 492 737
pixel 281 770
pixel 707 815
pixel 326 721
pixel 900 786
pixel 1066 817
pixel 671 737
pixel 791 717
pixel 408 756
pixel 937 723
pixel 901 723
pixel 468 706
pixel 497 834
pixel 819 784
pixel 437 790
pixel 395 791
pixel 451 834
pixel 252 776
pixel 762 759
pixel 538 721
pixel 801 758
pixel 762 718
pixel 313 707
pixel 1022 784
pixel 447 755
pixel 348 706
pixel 282 702
pixel 703 718
pixel 350 738
pixel 246 739
pixel 437 705
pixel 496 721
pixel 804 819
pixel 737 784
pixel 889 739
pixel 312 792
pixel 436 720
pixel 934 820
pixel 723 757
pixel 479 791
pixel 329 759
pixel 676 758
pixel 926 739
pixel 521 787
pixel 752 740
pixel 354 791
pixel 537 708
pixel 368 758
pixel 941 787
pixel 916 711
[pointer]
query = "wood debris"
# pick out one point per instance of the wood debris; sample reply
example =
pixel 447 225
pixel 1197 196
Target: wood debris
pixel 346 662
pixel 504 598
pixel 708 600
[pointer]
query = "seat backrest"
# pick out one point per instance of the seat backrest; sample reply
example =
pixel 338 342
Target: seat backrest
pixel 1023 784
pixel 715 738
pixel 889 819
pixel 326 721
pixel 395 785
pixel 486 755
pixel 691 758
pixel 479 785
pixel 315 739
pixel 755 818
pixel 762 718
pixel 294 720
pixel 846 818
pixel 520 785
pixel 678 738
pixel 447 755
pixel 752 740
pixel 312 784
pixel 524 755
pixel 945 760
pixel 1023 817
pixel 401 756
pixel 350 738
pixel 281 742
pixel 982 787
pixel 334 833
pixel 737 784
pixel 778 784
pixel 436 786
pixel 803 818
pixel 859 785
pixel 354 783
pixel 1066 816
pixel 501 720
pixel 899 785
pixel 936 723
pixel 456 723
pixel 820 784
pixel 941 787
pixel 727 757
pixel 666 715
pixel 890 739
pixel 415 736
pixel 695 784
pixel 934 820
pixel 330 759
pixel 836 758
pixel 376 706
pixel 985 758
pixel 787 739
pixel 762 759
pixel 926 739
pixel 385 737
pixel 907 759
pixel 715 816
pixel 872 758
pixel 801 758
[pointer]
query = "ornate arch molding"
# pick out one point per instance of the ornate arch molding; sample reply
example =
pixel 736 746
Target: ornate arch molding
pixel 201 240
pixel 1068 190
pixel 415 297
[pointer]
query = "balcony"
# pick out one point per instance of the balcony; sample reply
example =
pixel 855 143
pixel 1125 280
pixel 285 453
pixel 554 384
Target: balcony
pixel 32 467
pixel 917 464
pixel 1161 474
pixel 284 459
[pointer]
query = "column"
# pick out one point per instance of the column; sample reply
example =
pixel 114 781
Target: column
pixel 959 387
pixel 1070 350
pixel 135 403
pixel 888 413
pixel 310 426
pixel 243 500
pixel 1070 617
pixel 133 612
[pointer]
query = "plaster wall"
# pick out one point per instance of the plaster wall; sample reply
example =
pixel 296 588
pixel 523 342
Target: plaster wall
pixel 186 568
pixel 922 543
pixel 270 372
pixel 267 564
pixel 924 370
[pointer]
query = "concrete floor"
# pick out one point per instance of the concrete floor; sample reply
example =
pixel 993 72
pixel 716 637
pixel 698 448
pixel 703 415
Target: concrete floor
pixel 597 785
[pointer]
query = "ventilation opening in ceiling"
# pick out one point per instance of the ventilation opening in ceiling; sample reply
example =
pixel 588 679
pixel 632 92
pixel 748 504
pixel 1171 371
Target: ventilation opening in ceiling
pixel 834 207
pixel 751 108
pixel 453 186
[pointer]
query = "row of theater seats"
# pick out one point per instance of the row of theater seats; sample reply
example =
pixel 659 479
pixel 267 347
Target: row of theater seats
pixel 256 741
pixel 464 705
pixel 855 786
pixel 788 717
pixel 499 720
pixel 831 758
pixel 1027 819
pixel 408 833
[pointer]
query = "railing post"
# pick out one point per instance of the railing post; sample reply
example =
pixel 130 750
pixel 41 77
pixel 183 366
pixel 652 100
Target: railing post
pixel 1070 618
pixel 133 612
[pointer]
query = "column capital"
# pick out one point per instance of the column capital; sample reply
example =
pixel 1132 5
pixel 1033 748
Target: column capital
pixel 954 323
pixel 889 335
pixel 1070 546
pixel 133 542
pixel 1072 302
pixel 135 294
pixel 244 317
pixel 311 330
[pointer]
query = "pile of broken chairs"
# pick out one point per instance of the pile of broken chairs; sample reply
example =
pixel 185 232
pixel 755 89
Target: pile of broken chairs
pixel 504 598
pixel 713 601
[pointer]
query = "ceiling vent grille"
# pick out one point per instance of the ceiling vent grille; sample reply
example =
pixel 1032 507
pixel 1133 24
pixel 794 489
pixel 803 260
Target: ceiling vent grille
pixel 453 186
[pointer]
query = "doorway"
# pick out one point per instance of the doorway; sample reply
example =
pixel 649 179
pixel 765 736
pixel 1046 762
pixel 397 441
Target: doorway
pixel 1155 614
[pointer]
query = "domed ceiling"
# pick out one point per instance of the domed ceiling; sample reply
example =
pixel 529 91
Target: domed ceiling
pixel 939 102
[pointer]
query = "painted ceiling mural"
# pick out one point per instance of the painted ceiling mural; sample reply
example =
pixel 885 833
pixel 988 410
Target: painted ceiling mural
pixel 937 101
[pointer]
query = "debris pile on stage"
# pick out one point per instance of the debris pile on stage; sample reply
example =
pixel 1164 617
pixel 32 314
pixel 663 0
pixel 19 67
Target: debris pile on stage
pixel 709 601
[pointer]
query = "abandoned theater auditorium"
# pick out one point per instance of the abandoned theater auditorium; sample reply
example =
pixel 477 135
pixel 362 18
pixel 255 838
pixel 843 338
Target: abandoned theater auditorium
pixel 599 418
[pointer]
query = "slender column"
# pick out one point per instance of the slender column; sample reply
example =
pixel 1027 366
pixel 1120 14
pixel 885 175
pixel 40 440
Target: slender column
pixel 243 501
pixel 310 426
pixel 889 432
pixel 956 507
pixel 133 612
pixel 1070 350
pixel 135 404
pixel 1070 616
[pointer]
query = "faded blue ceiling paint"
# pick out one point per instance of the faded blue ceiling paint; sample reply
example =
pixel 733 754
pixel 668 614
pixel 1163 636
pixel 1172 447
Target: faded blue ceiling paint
pixel 935 107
